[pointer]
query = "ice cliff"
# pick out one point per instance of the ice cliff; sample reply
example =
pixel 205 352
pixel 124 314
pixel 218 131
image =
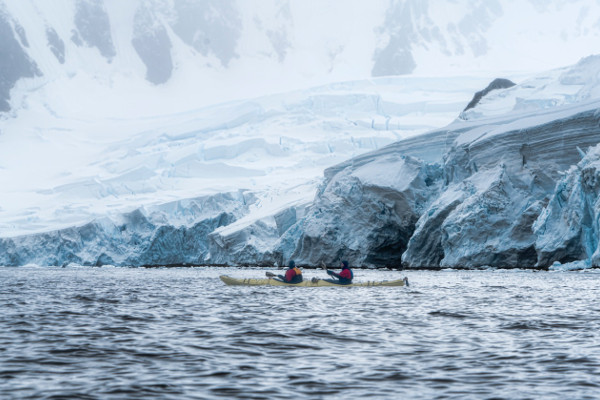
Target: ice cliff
pixel 365 213
pixel 486 191
pixel 173 233
pixel 568 228
pixel 513 182
pixel 476 205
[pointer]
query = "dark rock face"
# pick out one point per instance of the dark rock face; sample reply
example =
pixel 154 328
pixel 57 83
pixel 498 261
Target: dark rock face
pixel 395 59
pixel 93 27
pixel 20 31
pixel 56 45
pixel 409 25
pixel 15 63
pixel 498 83
pixel 151 42
pixel 212 27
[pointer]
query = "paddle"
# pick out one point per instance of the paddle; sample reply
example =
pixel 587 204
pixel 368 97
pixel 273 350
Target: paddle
pixel 326 269
pixel 330 273
pixel 271 275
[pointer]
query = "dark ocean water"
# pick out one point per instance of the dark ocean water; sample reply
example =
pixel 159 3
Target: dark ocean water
pixel 120 333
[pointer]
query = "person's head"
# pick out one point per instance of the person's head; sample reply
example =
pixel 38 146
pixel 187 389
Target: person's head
pixel 292 264
pixel 344 264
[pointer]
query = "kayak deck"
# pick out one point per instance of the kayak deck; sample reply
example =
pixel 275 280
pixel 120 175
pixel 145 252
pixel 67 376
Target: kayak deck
pixel 307 283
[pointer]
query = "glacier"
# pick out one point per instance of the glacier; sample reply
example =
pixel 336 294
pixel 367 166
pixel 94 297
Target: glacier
pixel 273 149
pixel 493 201
pixel 140 133
pixel 500 175
pixel 510 186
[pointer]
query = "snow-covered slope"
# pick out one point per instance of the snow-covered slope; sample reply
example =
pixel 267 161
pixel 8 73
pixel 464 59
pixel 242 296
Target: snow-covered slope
pixel 151 53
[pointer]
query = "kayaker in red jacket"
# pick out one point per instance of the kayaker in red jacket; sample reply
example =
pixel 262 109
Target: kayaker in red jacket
pixel 293 274
pixel 344 277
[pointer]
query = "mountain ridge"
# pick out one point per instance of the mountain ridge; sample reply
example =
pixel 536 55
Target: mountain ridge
pixel 162 42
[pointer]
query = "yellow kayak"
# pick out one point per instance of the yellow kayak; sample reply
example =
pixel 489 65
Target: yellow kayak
pixel 307 283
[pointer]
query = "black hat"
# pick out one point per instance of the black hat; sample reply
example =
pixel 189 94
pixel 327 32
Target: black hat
pixel 292 264
pixel 345 263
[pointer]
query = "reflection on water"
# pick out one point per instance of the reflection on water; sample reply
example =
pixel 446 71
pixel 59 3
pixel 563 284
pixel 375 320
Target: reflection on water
pixel 114 333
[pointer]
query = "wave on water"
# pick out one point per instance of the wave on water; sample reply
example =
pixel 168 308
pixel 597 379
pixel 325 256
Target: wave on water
pixel 96 333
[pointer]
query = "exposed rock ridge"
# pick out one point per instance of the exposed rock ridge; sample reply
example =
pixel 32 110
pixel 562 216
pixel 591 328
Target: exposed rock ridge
pixel 11 49
pixel 498 83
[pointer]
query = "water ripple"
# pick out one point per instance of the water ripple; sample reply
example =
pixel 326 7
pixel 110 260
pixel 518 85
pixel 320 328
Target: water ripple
pixel 114 333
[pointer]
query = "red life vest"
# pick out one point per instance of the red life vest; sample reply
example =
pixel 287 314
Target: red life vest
pixel 293 273
pixel 346 274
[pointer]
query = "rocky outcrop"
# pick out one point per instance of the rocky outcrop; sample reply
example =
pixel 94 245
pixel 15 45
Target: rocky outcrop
pixel 92 25
pixel 56 45
pixel 13 50
pixel 498 83
pixel 151 42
